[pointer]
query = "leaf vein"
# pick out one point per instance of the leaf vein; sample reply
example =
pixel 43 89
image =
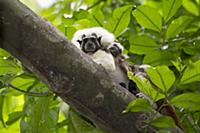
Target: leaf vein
pixel 170 9
pixel 149 20
pixel 196 75
pixel 119 20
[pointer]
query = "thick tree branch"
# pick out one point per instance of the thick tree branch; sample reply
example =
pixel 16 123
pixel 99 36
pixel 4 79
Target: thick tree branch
pixel 69 73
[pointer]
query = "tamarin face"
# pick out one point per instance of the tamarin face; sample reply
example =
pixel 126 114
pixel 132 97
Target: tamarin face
pixel 115 49
pixel 90 44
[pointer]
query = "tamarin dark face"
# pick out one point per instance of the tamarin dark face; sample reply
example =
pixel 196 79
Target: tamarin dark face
pixel 115 50
pixel 90 44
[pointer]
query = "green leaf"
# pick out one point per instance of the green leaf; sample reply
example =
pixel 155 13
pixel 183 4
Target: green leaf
pixel 189 101
pixel 170 7
pixel 82 23
pixel 78 125
pixel 179 66
pixel 192 48
pixel 192 73
pixel 67 21
pixel 3 53
pixel 145 87
pixel 191 7
pixel 120 20
pixel 159 58
pixel 138 105
pixel 148 17
pixel 38 116
pixel 69 32
pixel 22 82
pixel 81 14
pixel 13 117
pixel 163 122
pixel 8 67
pixel 62 123
pixel 142 45
pixel 162 77
pixel 97 18
pixel 178 25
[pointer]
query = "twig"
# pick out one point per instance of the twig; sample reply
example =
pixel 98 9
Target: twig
pixel 44 94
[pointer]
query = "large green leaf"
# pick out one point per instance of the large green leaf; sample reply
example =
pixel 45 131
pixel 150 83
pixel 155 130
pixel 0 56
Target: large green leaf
pixel 148 17
pixel 162 77
pixel 159 58
pixel 78 125
pixel 142 45
pixel 82 23
pixel 146 88
pixel 170 7
pixel 81 14
pixel 67 21
pixel 3 53
pixel 69 32
pixel 97 18
pixel 138 105
pixel 8 67
pixel 163 122
pixel 38 115
pixel 23 81
pixel 192 73
pixel 120 20
pixel 191 7
pixel 189 101
pixel 42 118
pixel 178 25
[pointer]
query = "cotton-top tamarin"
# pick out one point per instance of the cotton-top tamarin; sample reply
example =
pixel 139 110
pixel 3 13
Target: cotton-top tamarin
pixel 100 45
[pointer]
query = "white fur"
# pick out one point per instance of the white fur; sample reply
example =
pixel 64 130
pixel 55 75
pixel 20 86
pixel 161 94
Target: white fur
pixel 100 56
pixel 118 45
pixel 105 59
pixel 106 37
pixel 144 66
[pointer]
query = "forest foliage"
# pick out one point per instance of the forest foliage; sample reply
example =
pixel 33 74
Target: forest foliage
pixel 162 33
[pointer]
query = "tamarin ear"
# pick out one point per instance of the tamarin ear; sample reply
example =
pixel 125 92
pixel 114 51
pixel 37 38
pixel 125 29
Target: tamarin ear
pixel 99 39
pixel 79 41
pixel 94 34
pixel 83 36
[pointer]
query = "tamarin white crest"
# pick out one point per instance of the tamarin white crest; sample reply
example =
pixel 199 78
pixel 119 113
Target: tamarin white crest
pixel 98 34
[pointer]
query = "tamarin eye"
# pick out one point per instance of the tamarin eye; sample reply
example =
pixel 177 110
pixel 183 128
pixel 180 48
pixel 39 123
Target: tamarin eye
pixel 85 40
pixel 83 36
pixel 99 39
pixel 79 41
pixel 93 39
